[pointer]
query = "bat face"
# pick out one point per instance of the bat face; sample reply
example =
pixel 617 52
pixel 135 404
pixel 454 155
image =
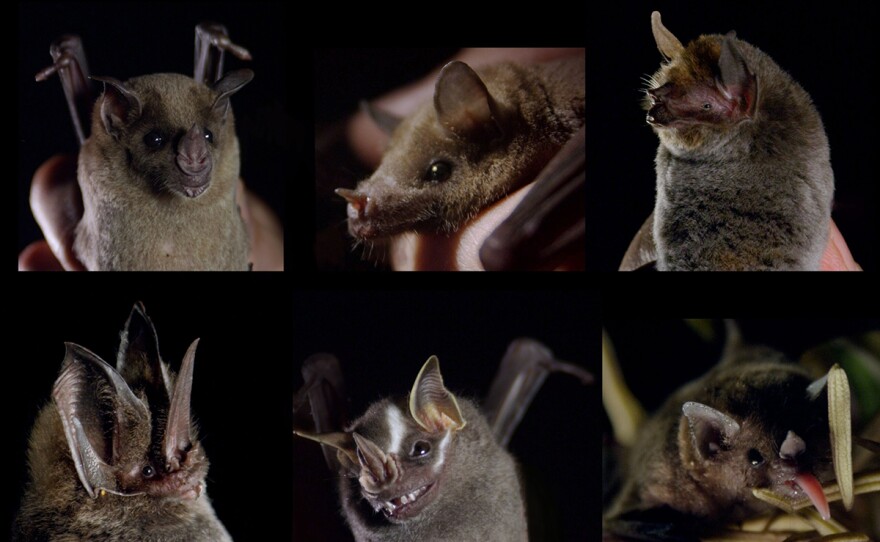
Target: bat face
pixel 706 84
pixel 174 130
pixel 115 453
pixel 483 136
pixel 151 447
pixel 401 465
pixel 764 431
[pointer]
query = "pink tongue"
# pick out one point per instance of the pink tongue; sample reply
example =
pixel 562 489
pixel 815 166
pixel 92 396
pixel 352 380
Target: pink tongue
pixel 813 489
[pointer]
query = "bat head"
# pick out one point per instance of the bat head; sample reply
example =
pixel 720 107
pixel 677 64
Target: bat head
pixel 443 164
pixel 770 434
pixel 129 428
pixel 706 85
pixel 176 134
pixel 399 450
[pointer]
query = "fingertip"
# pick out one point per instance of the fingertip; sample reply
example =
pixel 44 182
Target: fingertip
pixel 38 257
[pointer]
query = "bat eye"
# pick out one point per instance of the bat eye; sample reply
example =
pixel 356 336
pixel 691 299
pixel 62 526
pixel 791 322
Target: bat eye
pixel 755 458
pixel 209 136
pixel 420 448
pixel 438 171
pixel 707 106
pixel 154 140
pixel 148 471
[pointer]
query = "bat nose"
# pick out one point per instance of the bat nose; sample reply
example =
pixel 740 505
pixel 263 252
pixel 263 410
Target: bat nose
pixel 359 202
pixel 792 446
pixel 192 154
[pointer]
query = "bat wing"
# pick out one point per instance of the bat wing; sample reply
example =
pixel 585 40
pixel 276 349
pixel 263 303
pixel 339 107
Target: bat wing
pixel 642 252
pixel 69 61
pixel 324 391
pixel 656 524
pixel 547 229
pixel 523 369
pixel 212 41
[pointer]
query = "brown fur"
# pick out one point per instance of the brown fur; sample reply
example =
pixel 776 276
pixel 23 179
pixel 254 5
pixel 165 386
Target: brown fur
pixel 539 108
pixel 132 220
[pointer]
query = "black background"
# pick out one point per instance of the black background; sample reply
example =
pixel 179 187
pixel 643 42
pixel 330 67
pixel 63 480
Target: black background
pixel 828 47
pixel 382 339
pixel 125 40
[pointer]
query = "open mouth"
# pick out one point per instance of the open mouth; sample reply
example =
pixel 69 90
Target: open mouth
pixel 399 507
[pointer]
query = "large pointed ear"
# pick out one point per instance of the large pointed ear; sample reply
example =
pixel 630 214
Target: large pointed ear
pixel 710 429
pixel 228 85
pixel 120 106
pixel 97 409
pixel 178 427
pixel 736 80
pixel 668 44
pixel 138 360
pixel 386 121
pixel 431 405
pixel 463 104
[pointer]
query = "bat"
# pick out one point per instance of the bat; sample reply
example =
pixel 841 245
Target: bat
pixel 485 134
pixel 158 173
pixel 755 420
pixel 744 179
pixel 430 465
pixel 114 456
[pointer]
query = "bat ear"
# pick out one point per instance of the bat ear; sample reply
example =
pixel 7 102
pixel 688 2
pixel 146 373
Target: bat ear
pixel 91 397
pixel 710 429
pixel 119 106
pixel 138 360
pixel 463 103
pixel 228 85
pixel 431 405
pixel 668 44
pixel 383 119
pixel 736 81
pixel 178 427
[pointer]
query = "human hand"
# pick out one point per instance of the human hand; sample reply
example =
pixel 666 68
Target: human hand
pixel 56 202
pixel 459 251
pixel 837 256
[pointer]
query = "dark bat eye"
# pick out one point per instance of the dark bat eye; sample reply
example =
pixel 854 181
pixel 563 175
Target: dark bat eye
pixel 209 136
pixel 148 471
pixel 420 448
pixel 707 106
pixel 154 140
pixel 438 171
pixel 755 458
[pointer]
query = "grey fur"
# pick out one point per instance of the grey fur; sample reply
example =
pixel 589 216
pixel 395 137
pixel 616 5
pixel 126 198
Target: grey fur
pixel 480 496
pixel 754 194
pixel 136 215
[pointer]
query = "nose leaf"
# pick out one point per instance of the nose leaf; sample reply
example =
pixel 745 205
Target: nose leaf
pixel 792 446
pixel 357 200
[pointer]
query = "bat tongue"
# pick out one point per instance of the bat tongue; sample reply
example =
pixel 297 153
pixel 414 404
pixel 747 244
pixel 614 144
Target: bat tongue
pixel 811 486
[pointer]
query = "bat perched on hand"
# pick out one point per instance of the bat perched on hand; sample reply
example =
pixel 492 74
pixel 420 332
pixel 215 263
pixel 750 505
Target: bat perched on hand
pixel 744 179
pixel 158 174
pixel 115 455
pixel 485 134
pixel 752 421
pixel 431 465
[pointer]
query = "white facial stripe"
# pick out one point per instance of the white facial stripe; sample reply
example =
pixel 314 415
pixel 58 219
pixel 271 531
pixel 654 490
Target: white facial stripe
pixel 396 428
pixel 441 451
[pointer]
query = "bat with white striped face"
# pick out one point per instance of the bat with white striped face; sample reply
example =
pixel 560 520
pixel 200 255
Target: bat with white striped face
pixel 409 463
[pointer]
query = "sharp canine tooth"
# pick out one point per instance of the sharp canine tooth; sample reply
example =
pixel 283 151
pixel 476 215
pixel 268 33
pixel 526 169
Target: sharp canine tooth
pixel 404 500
